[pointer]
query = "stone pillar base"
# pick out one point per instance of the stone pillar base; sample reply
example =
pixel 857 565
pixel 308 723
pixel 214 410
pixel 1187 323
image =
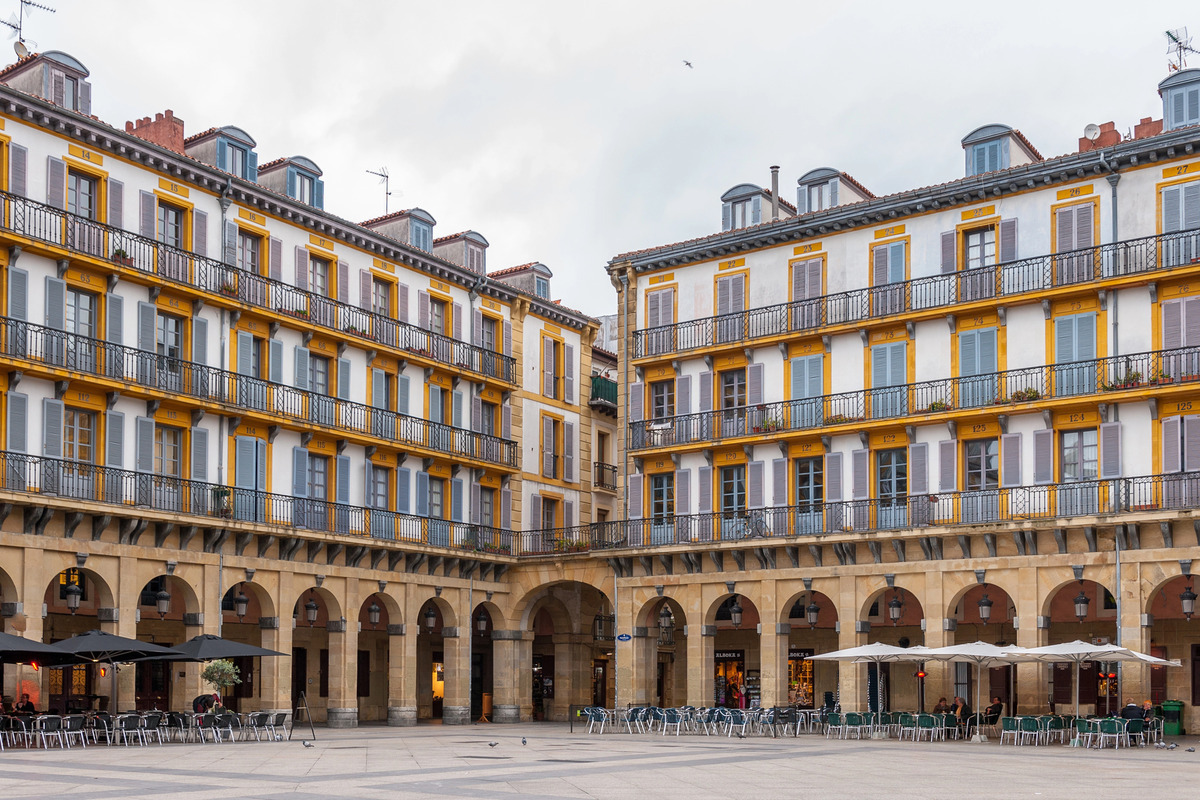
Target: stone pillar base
pixel 341 717
pixel 456 715
pixel 506 714
pixel 402 716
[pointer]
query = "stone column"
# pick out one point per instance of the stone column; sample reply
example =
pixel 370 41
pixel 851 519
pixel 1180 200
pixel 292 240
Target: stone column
pixel 342 708
pixel 643 672
pixel 572 669
pixel 772 669
pixel 124 624
pixel 626 654
pixel 1031 677
pixel 939 675
pixel 701 644
pixel 456 703
pixel 511 658
pixel 275 689
pixel 851 632
pixel 26 620
pixel 1135 676
pixel 402 651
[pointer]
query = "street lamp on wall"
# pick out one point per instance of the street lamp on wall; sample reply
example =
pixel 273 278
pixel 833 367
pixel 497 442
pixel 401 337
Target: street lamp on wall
pixel 735 613
pixel 430 618
pixel 1187 602
pixel 373 611
pixel 481 622
pixel 1082 601
pixel 73 593
pixel 162 602
pixel 665 619
pixel 240 604
pixel 985 608
pixel 310 609
pixel 895 608
pixel 812 612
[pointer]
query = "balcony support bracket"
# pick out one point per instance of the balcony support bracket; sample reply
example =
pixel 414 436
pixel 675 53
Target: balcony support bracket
pixel 234 421
pixel 1089 533
pixel 827 342
pixel 951 322
pixel 234 316
pixel 341 349
pixel 60 389
pixel 152 407
pixel 1153 288
pixel 306 337
pixel 5 510
pixel 187 533
pixel 342 444
pixel 131 530
pixel 815 551
pixel 242 541
pixel 371 355
pixel 718 559
pixel 1103 296
pixel 1047 418
pixel 110 400
pixel 14 379
pixel 1168 534
pixel 305 438
pixel 14 253
pixel 214 539
pixel 71 521
pixel 866 340
pixel 989 541
pixel 826 442
pixel 152 291
pixel 1133 535
pixel 675 459
pixel 334 550
pixel 1060 538
pixel 1031 545
pixel 273 328
pixel 952 427
pixel 964 545
pixel 1046 308
pixel 911 431
pixel 63 264
pixel 395 559
pixel 272 432
pixel 667 564
pixel 1103 409
pixel 793 554
pixel 161 531
pixel 1196 529
pixel 765 556
pixel 36 519
pixel 864 439
pixel 1002 315
pixel 647 564
pixel 739 558
pixel 926 547
pixel 1153 403
pixel 898 546
pixel 876 553
pixel 435 563
pixel 314 550
pixel 1002 421
pixel 911 328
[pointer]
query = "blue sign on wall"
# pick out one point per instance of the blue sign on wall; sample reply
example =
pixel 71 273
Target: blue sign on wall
pixel 623 637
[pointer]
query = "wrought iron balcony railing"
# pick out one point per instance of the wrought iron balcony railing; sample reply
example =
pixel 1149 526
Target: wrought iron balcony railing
pixel 1010 387
pixel 44 223
pixel 604 475
pixel 53 348
pixel 1023 277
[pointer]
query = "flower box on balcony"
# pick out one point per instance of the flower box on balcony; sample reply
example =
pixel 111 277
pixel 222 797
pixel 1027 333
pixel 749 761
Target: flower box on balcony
pixel 937 405
pixel 356 332
pixel 1024 395
pixel 840 419
pixel 228 289
pixel 298 313
pixel 122 258
pixel 496 549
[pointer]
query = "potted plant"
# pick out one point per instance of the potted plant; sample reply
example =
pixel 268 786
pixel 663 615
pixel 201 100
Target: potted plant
pixel 771 424
pixel 220 499
pixel 1022 395
pixel 938 405
pixel 220 674
pixel 228 289
pixel 121 257
pixel 1159 377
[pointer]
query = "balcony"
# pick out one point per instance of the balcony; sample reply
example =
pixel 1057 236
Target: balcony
pixel 43 347
pixel 1030 276
pixel 116 246
pixel 604 395
pixel 993 392
pixel 223 505
pixel 604 476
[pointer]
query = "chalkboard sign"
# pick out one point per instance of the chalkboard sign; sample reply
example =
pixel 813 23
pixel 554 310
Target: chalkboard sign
pixel 753 689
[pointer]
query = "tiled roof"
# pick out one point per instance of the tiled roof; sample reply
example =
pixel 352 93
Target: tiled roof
pixel 199 135
pixel 11 68
pixel 850 180
pixel 1028 144
pixel 393 215
pixel 441 239
pixel 782 202
pixel 511 270
pixel 269 164
pixel 604 352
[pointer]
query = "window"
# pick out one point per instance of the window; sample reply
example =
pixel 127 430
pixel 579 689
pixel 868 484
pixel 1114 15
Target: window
pixel 1079 456
pixel 237 160
pixel 422 236
pixel 304 188
pixel 733 488
pixel 318 276
pixel 487 418
pixel 552 430
pixel 662 497
pixel 378 490
pixel 983 464
pixel 79 435
pixel 1181 212
pixel 168 451
pixel 70 93
pixel 318 375
pixel 438 316
pixel 170 225
pixel 810 483
pixel 81 195
pixel 822 196
pixel 318 478
pixel 602 447
pixel 249 248
pixel 169 336
pixel 740 213
pixel 987 157
pixel 549 512
pixel 1182 106
pixel 551 361
pixel 81 313
pixel 541 287
pixel 662 399
pixel 475 259
pixel 487 335
pixel 381 297
pixel 892 476
pixel 487 506
pixel 979 247
pixel 437 498
pixel 733 388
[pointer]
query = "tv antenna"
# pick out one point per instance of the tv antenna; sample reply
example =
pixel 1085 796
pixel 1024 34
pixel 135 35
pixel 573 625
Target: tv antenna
pixel 382 174
pixel 1179 44
pixel 16 25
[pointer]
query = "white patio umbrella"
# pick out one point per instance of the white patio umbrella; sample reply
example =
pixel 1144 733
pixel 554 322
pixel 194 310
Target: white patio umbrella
pixel 981 654
pixel 876 653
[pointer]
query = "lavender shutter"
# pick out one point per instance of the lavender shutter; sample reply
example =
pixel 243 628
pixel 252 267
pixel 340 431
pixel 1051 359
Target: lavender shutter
pixel 683 492
pixel 476 502
pixel 477 328
pixel 402 389
pixel 1010 460
pixel 754 484
pixel 948 465
pixel 199 465
pixel 343 378
pixel 754 381
pixel 506 509
pixel 918 468
pixel 1110 450
pixel 18 293
pixel 1043 456
pixel 813 284
pixel 423 310
pixel 56 183
pixel 548 470
pixel 506 421
pixel 706 391
pixel 422 494
pixel 737 297
pixel 300 471
pixel 535 512
pixel 724 300
pixel 1172 324
pixel 704 499
pixel 343 268
pixel 653 310
pixel 56 303
pixel 57 87
pixel 568 373
pixel 860 484
pixel 458 322
pixel 144 444
pixel 403 490
pixel 1191 322
pixel 301 264
pixel 683 394
pixel 229 240
pixel 881 266
pixel 726 216
pixel 366 285
pixel 1083 225
pixel 116 203
pixel 18 419
pixel 147 212
pixel 949 254
pixel 548 365
pixel 199 233
pixel 1191 444
pixel 1172 460
pixel 779 481
pixel 568 452
pixel 833 477
pixel 476 414
pixel 637 394
pixel 275 268
pixel 114 440
pixel 402 302
pixel 52 428
pixel 18 168
pixel 1008 241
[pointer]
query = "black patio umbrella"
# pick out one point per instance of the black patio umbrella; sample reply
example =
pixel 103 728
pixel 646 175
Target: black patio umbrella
pixel 108 648
pixel 207 647
pixel 19 650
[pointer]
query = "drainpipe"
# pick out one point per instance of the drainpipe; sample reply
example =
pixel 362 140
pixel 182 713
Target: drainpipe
pixel 226 200
pixel 774 193
pixel 1113 178
pixel 623 321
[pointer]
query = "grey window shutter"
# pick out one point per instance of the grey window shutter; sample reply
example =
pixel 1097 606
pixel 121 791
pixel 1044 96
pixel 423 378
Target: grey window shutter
pixel 918 468
pixel 683 394
pixel 860 463
pixel 779 481
pixel 343 480
pixel 568 373
pixel 898 374
pixel 261 477
pixel 403 490
pixel 245 465
pixel 833 192
pixel 1172 324
pixel 1191 443
pixel 114 318
pixel 756 211
pixel 379 390
pixel 366 290
pixel 949 251
pixel 456 409
pixel 1172 460
pixel 275 349
pixel 402 404
pixel 147 327
pixel 343 287
pixel 368 494
pixel 726 216
pixel 968 353
pixel 506 419
pixel 199 340
pixel 456 499
pixel 245 353
pixel 477 328
pixel 1064 340
pixel 52 428
pixel 199 455
pixel 1110 450
pixel 801 200
pixel 144 444
pixel 706 391
pixel 508 338
pixel 57 81
pixel 635 496
pixel 881 265
pixel 568 452
pixel 1010 460
pixel 116 203
pixel 56 183
pixel 754 380
pixel 18 420
pixel 637 397
pixel 422 494
pixel 683 491
pixel 147 215
pixel 275 267
pixel 1171 203
pixel 300 472
pixel 114 440
pixel 548 368
pixel 548 470
pixel 704 493
pixel 456 323
pixel 1043 456
pixel 506 509
pixel 436 409
pixel 343 378
pixel 833 477
pixel 535 512
pixel 948 465
pixel 879 365
pixel 56 303
pixel 737 293
pixel 18 168
pixel 301 265
pixel 423 310
pixel 1008 241
pixel 1085 337
pixel 476 414
pixel 18 293
pixel 200 233
pixel 476 502
pixel 300 380
pixel 568 514
pixel 1083 226
pixel 402 302
pixel 653 310
pixel 229 242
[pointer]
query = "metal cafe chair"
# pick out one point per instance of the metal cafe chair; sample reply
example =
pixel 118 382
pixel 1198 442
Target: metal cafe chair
pixel 128 726
pixel 75 726
pixel 256 724
pixel 152 726
pixel 278 725
pixel 46 727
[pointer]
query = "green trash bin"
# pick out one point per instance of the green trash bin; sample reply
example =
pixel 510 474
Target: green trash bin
pixel 1172 710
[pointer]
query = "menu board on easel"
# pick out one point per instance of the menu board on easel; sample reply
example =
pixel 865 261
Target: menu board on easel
pixel 753 689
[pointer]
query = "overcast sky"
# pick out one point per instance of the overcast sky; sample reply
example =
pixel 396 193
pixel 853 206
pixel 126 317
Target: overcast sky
pixel 568 133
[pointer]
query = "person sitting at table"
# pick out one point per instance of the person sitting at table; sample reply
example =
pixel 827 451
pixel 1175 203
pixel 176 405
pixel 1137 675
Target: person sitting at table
pixel 991 714
pixel 25 706
pixel 942 706
pixel 1147 711
pixel 1131 710
pixel 962 713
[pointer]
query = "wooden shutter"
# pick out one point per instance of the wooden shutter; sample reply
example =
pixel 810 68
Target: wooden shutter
pixel 275 259
pixel 476 502
pixel 1191 443
pixel 456 499
pixel 948 465
pixel 114 439
pixel 300 472
pixel 199 465
pixel 477 328
pixel 245 352
pixel 275 355
pixel 1172 219
pixel 806 279
pixel 300 259
pixel 683 492
pixel 737 293
pixel 18 293
pixel 148 215
pixel 1008 241
pixel 1010 460
pixel 653 313
pixel 507 338
pixel 1110 450
pixel 56 303
pixel 568 452
pixel 706 391
pixel 476 414
pixel 754 383
pixel 343 378
pixel 535 512
pixel 422 494
pixel 918 468
pixel 506 509
pixel 300 381
pixel 144 444
pixel 568 374
pixel 342 479
pixel 704 476
pixel 114 318
pixel 18 419
pixel 779 481
pixel 199 340
pixel 968 353
pixel 52 428
pixel 1172 324
pixel 379 392
pixel 402 401
pixel 116 203
pixel 423 310
pixel 880 272
pixel 1043 456
pixel 506 420
pixel 229 243
pixel 548 367
pixel 860 461
pixel 1083 225
pixel 18 167
pixel 261 475
pixel 456 409
pixel 833 477
pixel 754 484
pixel 402 302
pixel 637 397
pixel 548 470
pixel 199 233
pixel 147 322
pixel 366 287
pixel 56 183
pixel 683 395
pixel 403 490
pixel 949 251
pixel 1172 457
pixel 343 284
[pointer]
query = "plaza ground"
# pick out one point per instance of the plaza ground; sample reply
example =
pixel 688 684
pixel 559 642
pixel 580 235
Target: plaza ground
pixel 439 762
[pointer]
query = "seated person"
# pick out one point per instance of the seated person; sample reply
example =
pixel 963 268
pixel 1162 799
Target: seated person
pixel 1131 710
pixel 962 712
pixel 25 706
pixel 942 706
pixel 1147 711
pixel 991 715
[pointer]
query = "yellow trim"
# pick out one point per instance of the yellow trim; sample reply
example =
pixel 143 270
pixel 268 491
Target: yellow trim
pixel 805 449
pixel 101 177
pixel 440 286
pixel 733 264
pixel 92 401
pixel 888 439
pixel 252 217
pixel 1056 207
pixel 264 236
pixel 1181 170
pixel 807 249
pixel 973 215
pixel 674 288
pixel 173 187
pixel 1075 191
pixel 745 286
pixel 796 262
pixel 727 458
pixel 1074 419
pixel 907 240
pixel 656 279
pixel 889 231
pixel 378 263
pixel 320 242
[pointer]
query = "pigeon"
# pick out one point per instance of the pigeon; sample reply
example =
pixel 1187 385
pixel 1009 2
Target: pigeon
pixel 688 64
pixel 740 735
pixel 1172 746
pixel 1190 750
pixel 305 743
pixel 523 742
pixel 1160 746
pixel 492 744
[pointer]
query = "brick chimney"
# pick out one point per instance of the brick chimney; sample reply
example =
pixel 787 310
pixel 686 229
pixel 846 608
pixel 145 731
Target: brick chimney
pixel 1109 135
pixel 1147 127
pixel 165 130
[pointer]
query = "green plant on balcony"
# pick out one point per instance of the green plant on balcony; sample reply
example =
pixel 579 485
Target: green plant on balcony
pixel 228 289
pixel 1022 395
pixel 496 549
pixel 839 419
pixel 938 405
pixel 299 313
pixel 356 331
pixel 1160 377
pixel 220 500
pixel 121 257
pixel 568 546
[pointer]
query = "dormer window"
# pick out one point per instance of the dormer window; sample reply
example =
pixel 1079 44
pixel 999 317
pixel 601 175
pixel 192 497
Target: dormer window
pixel 70 92
pixel 822 196
pixel 304 188
pixel 541 287
pixel 422 236
pixel 986 157
pixel 475 259
pixel 1181 99
pixel 994 147
pixel 237 160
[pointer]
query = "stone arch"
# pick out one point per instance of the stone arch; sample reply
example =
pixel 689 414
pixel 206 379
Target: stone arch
pixel 912 607
pixel 496 619
pixel 391 611
pixel 105 596
pixel 329 607
pixel 1162 601
pixel 827 616
pixel 749 602
pixel 8 588
pixel 258 594
pixel 647 615
pixel 180 590
pixel 556 598
pixel 1089 586
pixel 447 618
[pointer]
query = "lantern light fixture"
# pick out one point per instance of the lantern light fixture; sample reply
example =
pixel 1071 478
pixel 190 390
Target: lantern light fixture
pixel 735 613
pixel 985 608
pixel 162 603
pixel 1082 601
pixel 812 612
pixel 73 593
pixel 666 621
pixel 373 611
pixel 240 604
pixel 310 609
pixel 481 621
pixel 1187 602
pixel 430 618
pixel 895 608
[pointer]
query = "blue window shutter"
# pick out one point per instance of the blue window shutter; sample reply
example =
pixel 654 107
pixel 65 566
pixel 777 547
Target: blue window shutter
pixel 456 499
pixel 343 479
pixel 726 216
pixel 948 465
pixel 1010 460
pixel 683 491
pixel 199 340
pixel 568 373
pixel 18 293
pixel 245 353
pixel 144 444
pixel 435 404
pixel 403 489
pixel 506 421
pixel 199 455
pixel 918 468
pixel 299 472
pixel 535 512
pixel 275 355
pixel 833 477
pixel 756 210
pixel 244 466
pixel 860 486
pixel 879 366
pixel 423 310
pixel 251 166
pixel 456 403
pixel 343 278
pixel 300 380
pixel 318 193
pixel 200 233
pixel 683 394
pixel 968 353
pixel 568 514
pixel 704 495
pixel 816 375
pixel 476 503
pixel 378 389
pixel 114 322
pixel 833 192
pixel 506 509
pixel 422 491
pixel 116 203
pixel 477 414
pixel 1110 450
pixel 56 303
pixel 801 199
pixel 18 420
pixel 261 477
pixel 1043 456
pixel 949 251
pixel 880 270
pixel 147 327
pixel 779 481
pixel 223 155
pixel 754 484
pixel 343 378
pixel 896 263
pixel 987 351
pixel 402 394
pixel 52 428
pixel 706 391
pixel 1064 340
pixel 1085 337
pixel 899 364
pixel 114 439
pixel 291 182
pixel 229 243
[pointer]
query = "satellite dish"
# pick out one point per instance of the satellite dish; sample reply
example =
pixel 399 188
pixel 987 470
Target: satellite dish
pixel 1091 132
pixel 21 49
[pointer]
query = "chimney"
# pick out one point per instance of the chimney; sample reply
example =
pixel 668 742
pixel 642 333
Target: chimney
pixel 774 193
pixel 165 130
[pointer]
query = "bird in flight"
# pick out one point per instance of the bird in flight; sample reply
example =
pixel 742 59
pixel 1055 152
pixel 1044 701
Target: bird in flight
pixel 688 64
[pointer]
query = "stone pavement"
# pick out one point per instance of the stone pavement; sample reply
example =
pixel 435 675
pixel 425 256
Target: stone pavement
pixel 433 761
